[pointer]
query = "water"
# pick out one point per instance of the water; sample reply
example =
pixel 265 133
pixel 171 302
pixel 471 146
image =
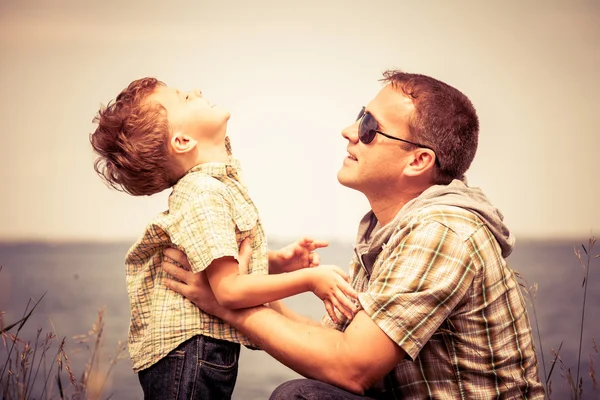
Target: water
pixel 81 278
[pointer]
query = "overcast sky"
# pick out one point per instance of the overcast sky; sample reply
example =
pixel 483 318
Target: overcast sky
pixel 293 75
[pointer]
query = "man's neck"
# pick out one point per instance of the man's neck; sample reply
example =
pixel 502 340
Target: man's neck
pixel 387 206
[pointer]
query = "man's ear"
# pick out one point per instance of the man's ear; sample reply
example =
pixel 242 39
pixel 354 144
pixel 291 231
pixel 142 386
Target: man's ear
pixel 423 160
pixel 182 143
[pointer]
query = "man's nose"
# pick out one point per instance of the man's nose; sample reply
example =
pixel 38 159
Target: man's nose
pixel 351 132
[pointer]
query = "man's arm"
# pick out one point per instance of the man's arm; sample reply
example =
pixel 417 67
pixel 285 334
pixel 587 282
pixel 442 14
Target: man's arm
pixel 287 312
pixel 353 360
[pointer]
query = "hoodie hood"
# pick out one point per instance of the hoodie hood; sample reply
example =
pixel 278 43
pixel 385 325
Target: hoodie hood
pixel 457 194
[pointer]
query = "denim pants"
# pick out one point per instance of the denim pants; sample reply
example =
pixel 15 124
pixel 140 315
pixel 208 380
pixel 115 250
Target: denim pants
pixel 201 368
pixel 310 389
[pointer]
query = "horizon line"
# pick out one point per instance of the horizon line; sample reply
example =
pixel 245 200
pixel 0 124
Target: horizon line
pixel 275 238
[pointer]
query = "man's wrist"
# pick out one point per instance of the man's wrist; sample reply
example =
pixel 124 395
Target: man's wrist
pixel 237 317
pixel 274 262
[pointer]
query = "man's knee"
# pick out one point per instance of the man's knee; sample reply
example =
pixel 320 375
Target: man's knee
pixel 290 390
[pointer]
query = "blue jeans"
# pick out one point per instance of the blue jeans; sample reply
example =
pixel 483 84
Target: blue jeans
pixel 310 389
pixel 201 368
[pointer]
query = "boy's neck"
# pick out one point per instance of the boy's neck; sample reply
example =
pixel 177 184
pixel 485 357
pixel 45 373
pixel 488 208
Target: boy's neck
pixel 206 155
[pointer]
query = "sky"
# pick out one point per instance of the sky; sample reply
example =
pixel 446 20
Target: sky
pixel 293 75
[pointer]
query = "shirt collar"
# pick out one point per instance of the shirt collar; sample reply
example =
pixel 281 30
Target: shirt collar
pixel 217 170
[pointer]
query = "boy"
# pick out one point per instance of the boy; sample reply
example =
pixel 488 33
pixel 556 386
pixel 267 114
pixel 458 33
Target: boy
pixel 153 137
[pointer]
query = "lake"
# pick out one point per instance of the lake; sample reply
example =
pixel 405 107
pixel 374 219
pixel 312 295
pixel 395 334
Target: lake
pixel 80 278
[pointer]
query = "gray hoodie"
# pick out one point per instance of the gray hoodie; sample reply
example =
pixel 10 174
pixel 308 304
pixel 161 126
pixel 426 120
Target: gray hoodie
pixel 371 235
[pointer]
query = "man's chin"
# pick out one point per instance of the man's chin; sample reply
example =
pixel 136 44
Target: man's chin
pixel 343 180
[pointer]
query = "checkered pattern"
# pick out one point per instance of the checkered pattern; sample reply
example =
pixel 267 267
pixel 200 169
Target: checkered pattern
pixel 210 213
pixel 442 291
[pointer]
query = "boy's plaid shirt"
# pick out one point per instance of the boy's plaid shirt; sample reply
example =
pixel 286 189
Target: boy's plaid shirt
pixel 210 213
pixel 442 291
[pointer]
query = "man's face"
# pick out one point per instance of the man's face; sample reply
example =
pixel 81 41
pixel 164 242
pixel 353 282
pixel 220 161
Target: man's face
pixel 376 168
pixel 192 114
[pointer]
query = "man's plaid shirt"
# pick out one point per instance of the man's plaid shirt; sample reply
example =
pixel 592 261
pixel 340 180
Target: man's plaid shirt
pixel 210 213
pixel 442 291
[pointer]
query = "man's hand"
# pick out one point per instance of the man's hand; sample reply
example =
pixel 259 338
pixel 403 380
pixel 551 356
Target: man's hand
pixel 297 255
pixel 195 286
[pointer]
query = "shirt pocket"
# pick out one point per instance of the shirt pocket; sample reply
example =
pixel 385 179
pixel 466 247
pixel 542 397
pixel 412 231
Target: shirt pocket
pixel 245 218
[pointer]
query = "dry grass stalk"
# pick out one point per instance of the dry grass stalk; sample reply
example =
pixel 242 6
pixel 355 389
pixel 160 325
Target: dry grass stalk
pixel 29 370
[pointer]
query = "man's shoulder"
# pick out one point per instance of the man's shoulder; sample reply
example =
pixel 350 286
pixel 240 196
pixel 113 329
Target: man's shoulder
pixel 461 221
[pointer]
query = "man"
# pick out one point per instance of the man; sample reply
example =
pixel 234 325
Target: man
pixel 440 314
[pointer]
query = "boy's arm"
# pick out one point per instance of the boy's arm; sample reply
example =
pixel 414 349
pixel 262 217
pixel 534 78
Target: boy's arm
pixel 234 290
pixel 297 255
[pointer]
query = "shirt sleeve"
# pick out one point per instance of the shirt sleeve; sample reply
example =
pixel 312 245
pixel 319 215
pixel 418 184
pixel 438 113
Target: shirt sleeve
pixel 206 230
pixel 419 284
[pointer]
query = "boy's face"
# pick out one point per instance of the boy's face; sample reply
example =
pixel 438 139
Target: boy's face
pixel 192 114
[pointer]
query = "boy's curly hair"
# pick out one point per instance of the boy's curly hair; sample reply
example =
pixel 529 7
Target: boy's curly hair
pixel 132 140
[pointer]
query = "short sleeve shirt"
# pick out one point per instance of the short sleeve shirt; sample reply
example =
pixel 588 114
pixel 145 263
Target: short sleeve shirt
pixel 210 213
pixel 442 291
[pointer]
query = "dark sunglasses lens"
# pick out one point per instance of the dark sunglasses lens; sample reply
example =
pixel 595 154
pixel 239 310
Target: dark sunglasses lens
pixel 367 127
pixel 360 114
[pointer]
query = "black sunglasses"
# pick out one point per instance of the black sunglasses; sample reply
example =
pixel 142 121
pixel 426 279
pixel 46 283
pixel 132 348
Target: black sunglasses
pixel 367 129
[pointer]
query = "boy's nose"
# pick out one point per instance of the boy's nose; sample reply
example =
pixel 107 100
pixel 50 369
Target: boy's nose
pixel 196 93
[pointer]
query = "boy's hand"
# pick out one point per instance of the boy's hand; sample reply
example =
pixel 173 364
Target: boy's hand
pixel 297 255
pixel 330 284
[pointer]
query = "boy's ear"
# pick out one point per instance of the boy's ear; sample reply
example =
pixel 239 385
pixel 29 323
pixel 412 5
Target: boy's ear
pixel 182 143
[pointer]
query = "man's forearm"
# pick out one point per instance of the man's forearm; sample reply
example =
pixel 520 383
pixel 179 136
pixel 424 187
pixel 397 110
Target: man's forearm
pixel 312 351
pixel 287 312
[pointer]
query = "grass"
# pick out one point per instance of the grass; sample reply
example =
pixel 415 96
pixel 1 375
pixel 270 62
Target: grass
pixel 576 383
pixel 40 368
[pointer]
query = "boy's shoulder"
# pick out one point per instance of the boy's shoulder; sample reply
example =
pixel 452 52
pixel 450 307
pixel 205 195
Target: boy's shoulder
pixel 195 184
pixel 195 187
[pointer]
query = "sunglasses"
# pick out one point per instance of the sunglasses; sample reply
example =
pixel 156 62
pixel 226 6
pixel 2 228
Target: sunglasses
pixel 367 129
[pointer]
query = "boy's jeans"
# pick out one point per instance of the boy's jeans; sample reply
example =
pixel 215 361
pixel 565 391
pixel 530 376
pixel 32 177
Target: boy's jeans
pixel 201 368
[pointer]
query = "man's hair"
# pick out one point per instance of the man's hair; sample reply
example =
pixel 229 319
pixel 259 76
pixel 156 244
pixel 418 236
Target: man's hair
pixel 444 119
pixel 132 141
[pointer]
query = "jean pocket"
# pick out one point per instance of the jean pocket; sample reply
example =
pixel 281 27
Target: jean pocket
pixel 163 379
pixel 219 354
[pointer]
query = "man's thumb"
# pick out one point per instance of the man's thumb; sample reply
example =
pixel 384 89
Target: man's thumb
pixel 245 254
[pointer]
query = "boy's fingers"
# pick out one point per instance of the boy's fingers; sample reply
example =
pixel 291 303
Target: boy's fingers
pixel 305 241
pixel 318 244
pixel 340 271
pixel 315 260
pixel 349 290
pixel 340 307
pixel 346 302
pixel 330 311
